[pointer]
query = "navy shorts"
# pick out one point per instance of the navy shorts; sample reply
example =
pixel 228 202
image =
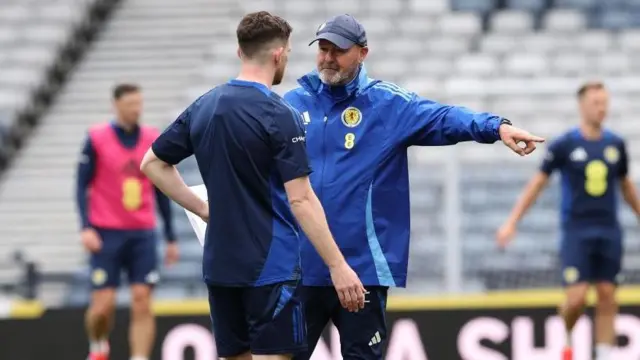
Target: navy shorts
pixel 134 252
pixel 264 320
pixel 362 333
pixel 595 257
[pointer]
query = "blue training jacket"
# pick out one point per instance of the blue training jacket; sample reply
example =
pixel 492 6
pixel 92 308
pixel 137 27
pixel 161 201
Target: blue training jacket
pixel 357 138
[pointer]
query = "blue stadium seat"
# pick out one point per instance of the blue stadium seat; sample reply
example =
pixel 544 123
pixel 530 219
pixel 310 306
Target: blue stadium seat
pixel 481 6
pixel 614 19
pixel 613 3
pixel 576 4
pixel 530 5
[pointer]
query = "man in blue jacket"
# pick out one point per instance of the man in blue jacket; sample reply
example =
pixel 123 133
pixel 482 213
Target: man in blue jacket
pixel 357 133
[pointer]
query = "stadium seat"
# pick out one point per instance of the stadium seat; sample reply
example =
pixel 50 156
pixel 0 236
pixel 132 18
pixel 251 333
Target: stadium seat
pixel 564 20
pixel 376 26
pixel 511 22
pixel 478 6
pixel 614 18
pixel 524 64
pixel 428 7
pixel 463 24
pixel 595 41
pixel 529 5
pixel 578 4
pixel 477 65
pixel 387 8
pixel 629 41
pixel 613 63
pixel 572 64
pixel 295 9
pixel 414 24
pixel 447 45
pixel 347 7
pixel 497 43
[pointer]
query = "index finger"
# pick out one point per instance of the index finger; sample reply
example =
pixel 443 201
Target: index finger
pixel 533 138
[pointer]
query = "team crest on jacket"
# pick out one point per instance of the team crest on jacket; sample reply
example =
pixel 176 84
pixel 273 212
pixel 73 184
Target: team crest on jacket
pixel 351 117
pixel 611 154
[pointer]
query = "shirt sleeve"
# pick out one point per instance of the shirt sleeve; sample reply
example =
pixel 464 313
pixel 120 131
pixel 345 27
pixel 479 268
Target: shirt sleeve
pixel 419 121
pixel 624 161
pixel 554 157
pixel 174 144
pixel 289 145
pixel 84 176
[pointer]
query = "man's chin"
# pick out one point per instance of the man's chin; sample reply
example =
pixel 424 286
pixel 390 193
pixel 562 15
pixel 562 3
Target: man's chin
pixel 330 79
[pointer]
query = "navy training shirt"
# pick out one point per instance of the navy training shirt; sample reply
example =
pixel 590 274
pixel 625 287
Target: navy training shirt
pixel 247 142
pixel 591 171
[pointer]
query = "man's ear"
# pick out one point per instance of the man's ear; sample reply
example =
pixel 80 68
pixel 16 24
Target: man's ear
pixel 239 52
pixel 278 53
pixel 363 54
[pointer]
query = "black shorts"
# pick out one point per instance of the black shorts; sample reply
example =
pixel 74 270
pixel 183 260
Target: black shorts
pixel 264 320
pixel 362 333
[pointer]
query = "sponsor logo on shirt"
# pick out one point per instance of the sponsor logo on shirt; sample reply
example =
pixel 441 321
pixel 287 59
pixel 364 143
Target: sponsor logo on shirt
pixel 578 155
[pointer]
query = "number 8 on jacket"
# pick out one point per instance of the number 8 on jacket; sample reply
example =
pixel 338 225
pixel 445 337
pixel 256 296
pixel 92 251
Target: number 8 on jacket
pixel 349 140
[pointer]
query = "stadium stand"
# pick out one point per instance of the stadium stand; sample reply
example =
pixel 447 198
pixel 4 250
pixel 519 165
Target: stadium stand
pixel 39 41
pixel 520 58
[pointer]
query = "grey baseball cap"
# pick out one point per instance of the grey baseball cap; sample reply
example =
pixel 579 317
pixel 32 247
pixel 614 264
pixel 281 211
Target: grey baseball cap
pixel 342 30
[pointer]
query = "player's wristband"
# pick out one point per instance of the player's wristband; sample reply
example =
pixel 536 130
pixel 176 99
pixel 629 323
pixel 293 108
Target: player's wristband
pixel 505 121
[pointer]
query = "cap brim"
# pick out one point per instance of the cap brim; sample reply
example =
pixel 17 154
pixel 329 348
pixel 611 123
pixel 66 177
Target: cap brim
pixel 338 40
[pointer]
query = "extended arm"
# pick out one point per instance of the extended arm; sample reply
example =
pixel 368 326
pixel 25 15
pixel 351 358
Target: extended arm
pixel 425 122
pixel 419 121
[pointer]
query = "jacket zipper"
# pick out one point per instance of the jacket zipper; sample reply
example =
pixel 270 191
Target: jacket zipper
pixel 324 157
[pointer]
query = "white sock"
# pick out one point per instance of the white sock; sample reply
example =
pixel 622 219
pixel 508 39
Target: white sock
pixel 568 339
pixel 603 351
pixel 98 346
pixel 139 358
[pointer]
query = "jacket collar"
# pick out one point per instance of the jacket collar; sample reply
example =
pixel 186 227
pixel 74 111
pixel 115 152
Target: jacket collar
pixel 311 82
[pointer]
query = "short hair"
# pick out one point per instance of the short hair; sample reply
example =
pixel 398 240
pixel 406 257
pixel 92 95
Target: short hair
pixel 257 30
pixel 592 85
pixel 121 90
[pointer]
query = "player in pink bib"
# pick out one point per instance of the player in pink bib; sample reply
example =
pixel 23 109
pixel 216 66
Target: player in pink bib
pixel 117 211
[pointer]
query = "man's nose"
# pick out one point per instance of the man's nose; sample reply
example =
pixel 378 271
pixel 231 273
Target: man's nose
pixel 329 57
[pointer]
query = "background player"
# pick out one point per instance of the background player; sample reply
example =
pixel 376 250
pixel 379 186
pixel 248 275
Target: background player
pixel 358 131
pixel 117 212
pixel 593 165
pixel 249 146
